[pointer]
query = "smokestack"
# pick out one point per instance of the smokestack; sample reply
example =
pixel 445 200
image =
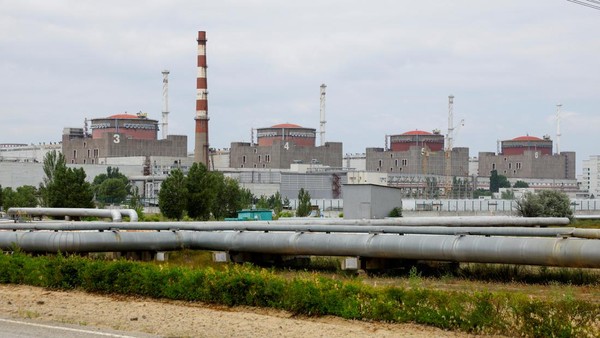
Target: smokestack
pixel 201 141
pixel 165 112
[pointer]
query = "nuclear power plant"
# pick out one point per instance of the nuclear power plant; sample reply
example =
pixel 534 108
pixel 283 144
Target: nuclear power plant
pixel 286 157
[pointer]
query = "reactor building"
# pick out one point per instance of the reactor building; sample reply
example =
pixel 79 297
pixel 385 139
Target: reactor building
pixel 281 145
pixel 418 152
pixel 528 157
pixel 120 135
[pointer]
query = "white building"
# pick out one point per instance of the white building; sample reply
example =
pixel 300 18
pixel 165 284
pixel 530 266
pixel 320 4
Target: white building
pixel 13 152
pixel 590 177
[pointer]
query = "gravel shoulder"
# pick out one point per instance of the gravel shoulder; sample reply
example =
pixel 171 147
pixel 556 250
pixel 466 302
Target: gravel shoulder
pixel 185 319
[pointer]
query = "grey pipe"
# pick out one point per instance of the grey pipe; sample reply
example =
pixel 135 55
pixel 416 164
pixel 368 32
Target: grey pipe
pixel 479 249
pixel 92 241
pixel 565 252
pixel 251 226
pixel 114 214
pixel 430 221
pixel 131 213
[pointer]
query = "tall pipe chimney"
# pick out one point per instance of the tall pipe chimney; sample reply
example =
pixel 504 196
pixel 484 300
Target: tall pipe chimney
pixel 558 106
pixel 201 141
pixel 323 121
pixel 165 112
pixel 450 136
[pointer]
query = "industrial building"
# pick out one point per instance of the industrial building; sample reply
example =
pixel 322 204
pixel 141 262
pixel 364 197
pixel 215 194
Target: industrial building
pixel 281 145
pixel 528 157
pixel 18 152
pixel 418 153
pixel 590 178
pixel 120 135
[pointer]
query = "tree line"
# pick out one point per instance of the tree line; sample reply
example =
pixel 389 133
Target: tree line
pixel 201 195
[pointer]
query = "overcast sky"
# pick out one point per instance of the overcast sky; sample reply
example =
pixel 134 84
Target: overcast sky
pixel 389 67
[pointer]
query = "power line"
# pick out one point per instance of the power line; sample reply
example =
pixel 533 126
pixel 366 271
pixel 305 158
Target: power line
pixel 590 3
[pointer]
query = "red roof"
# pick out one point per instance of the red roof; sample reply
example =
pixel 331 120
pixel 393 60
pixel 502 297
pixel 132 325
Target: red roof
pixel 286 125
pixel 527 138
pixel 123 116
pixel 417 132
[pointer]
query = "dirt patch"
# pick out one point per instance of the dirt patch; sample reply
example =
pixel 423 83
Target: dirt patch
pixel 185 319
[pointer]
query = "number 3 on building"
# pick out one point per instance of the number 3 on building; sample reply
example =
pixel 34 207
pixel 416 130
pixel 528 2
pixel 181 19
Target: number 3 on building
pixel 116 138
pixel 286 146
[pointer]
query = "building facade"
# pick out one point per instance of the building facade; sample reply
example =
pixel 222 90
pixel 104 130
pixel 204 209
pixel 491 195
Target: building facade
pixel 528 157
pixel 121 135
pixel 590 178
pixel 280 146
pixel 418 153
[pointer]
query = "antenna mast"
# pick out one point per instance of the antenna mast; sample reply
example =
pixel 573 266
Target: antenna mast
pixel 165 112
pixel 323 121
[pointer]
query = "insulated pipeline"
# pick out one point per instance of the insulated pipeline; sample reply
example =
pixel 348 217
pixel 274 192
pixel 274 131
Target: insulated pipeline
pixel 565 252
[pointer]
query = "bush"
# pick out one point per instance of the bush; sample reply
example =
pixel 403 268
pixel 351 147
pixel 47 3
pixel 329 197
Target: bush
pixel 546 203
pixel 396 212
pixel 474 312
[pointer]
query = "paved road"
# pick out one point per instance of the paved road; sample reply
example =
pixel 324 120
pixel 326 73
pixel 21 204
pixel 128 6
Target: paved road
pixel 23 328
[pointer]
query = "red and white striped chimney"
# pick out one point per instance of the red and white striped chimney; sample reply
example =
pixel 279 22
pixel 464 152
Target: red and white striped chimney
pixel 201 141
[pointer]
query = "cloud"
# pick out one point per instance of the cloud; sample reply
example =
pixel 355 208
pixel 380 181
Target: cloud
pixel 389 67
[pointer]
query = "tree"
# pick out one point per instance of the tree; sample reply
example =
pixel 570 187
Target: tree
pixel 203 187
pixel 112 187
pixel 111 190
pixel 135 202
pixel 52 162
pixel 9 197
pixel 230 199
pixel 277 203
pixel 546 203
pixel 68 189
pixel 303 209
pixel 520 184
pixel 245 197
pixel 173 195
pixel 1 197
pixel 263 203
pixel 498 181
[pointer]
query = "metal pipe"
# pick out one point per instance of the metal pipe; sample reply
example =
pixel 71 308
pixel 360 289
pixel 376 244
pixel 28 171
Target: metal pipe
pixel 439 221
pixel 131 213
pixel 251 226
pixel 480 249
pixel 565 252
pixel 114 214
pixel 92 241
pixel 456 221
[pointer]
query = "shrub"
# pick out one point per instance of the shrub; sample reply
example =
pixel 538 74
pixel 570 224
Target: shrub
pixel 396 212
pixel 546 203
pixel 474 312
